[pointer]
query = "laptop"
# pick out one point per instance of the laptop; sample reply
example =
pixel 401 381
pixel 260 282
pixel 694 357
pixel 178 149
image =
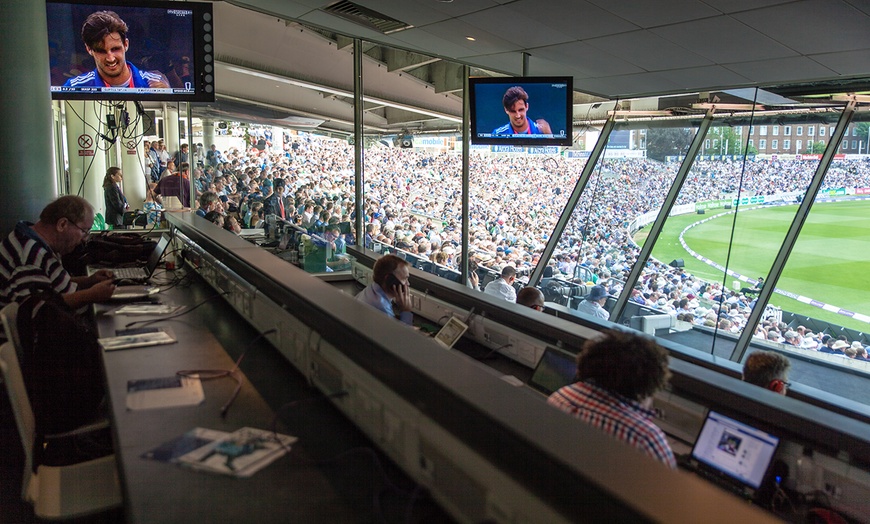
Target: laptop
pixel 557 368
pixel 450 332
pixel 732 455
pixel 141 273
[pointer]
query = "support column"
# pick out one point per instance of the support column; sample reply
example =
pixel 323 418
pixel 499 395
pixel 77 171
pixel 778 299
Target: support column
pixel 170 129
pixel 28 177
pixel 277 139
pixel 207 133
pixel 87 153
pixel 133 164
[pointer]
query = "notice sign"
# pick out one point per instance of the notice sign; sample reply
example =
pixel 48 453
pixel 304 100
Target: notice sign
pixel 131 147
pixel 86 143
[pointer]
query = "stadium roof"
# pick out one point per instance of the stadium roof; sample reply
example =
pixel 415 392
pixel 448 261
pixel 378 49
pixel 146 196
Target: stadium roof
pixel 614 49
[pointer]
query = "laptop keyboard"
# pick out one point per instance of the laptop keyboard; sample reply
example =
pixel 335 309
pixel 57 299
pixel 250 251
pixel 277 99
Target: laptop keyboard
pixel 129 273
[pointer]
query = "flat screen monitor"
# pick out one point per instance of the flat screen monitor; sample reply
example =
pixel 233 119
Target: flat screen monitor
pixel 167 55
pixel 734 450
pixel 521 111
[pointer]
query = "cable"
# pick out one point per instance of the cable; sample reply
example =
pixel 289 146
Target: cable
pixel 413 495
pixel 209 374
pixel 184 312
pixel 492 352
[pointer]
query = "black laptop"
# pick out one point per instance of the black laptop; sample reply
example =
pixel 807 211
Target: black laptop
pixel 141 273
pixel 732 454
pixel 557 368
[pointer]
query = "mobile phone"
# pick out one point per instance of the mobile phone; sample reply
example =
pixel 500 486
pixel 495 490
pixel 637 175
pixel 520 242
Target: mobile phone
pixel 392 282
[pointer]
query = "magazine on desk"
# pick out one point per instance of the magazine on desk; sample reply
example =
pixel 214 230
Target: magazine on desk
pixel 240 453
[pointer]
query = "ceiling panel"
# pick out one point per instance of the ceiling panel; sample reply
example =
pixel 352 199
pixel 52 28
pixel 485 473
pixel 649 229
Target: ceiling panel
pixel 455 31
pixel 711 76
pixel 627 84
pixel 723 39
pixel 781 70
pixel 849 63
pixel 646 13
pixel 577 19
pixel 421 14
pixel 648 51
pixel 516 25
pixel 583 57
pixel 812 26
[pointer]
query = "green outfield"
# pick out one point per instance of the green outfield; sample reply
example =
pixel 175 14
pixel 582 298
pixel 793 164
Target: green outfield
pixel 830 262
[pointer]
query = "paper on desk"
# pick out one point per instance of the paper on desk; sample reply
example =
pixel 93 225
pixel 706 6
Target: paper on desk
pixel 155 338
pixel 241 453
pixel 164 392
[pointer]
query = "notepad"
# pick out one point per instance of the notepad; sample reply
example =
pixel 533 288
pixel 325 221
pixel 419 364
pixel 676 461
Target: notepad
pixel 156 338
pixel 164 392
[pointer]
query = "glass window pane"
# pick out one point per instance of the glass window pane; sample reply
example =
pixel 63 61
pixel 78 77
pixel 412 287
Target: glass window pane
pixel 412 164
pixel 822 293
pixel 740 206
pixel 624 193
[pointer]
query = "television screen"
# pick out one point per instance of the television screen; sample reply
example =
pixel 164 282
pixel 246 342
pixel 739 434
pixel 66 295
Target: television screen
pixel 523 111
pixel 124 50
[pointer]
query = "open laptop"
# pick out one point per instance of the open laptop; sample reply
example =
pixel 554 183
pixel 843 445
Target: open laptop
pixel 557 368
pixel 732 455
pixel 450 332
pixel 141 273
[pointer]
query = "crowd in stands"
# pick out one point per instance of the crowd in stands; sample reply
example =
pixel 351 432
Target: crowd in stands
pixel 413 203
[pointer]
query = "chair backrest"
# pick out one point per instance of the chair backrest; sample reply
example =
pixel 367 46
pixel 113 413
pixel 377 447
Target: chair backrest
pixel 14 381
pixel 9 316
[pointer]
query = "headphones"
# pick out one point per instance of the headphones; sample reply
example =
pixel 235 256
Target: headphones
pixel 777 385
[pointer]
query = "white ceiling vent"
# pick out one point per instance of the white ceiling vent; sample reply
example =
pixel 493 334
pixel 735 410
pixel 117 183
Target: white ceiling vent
pixel 366 17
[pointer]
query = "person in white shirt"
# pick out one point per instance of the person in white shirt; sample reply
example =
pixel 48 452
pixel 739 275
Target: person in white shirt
pixel 502 287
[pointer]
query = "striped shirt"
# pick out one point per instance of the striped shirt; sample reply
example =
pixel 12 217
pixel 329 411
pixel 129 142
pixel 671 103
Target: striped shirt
pixel 28 263
pixel 612 413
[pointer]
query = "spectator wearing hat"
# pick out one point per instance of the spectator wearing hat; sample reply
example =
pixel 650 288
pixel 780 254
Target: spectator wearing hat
pixel 838 347
pixel 593 304
pixel 791 338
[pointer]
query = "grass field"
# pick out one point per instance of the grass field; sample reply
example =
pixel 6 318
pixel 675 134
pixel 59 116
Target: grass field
pixel 830 261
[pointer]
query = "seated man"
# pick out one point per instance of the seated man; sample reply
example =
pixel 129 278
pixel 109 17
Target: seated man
pixel 618 375
pixel 333 249
pixel 390 288
pixel 502 287
pixel 767 369
pixel 531 297
pixel 594 302
pixel 30 256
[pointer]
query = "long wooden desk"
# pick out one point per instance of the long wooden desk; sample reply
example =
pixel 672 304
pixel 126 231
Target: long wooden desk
pixel 330 475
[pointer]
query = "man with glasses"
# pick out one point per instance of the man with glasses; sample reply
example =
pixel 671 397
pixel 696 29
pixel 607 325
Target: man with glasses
pixel 30 257
pixel 532 297
pixel 767 369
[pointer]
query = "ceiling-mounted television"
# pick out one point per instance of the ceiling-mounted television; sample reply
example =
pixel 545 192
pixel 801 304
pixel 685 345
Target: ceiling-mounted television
pixel 521 111
pixel 131 50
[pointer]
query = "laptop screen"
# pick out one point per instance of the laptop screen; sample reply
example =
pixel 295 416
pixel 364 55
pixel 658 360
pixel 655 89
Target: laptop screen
pixel 450 332
pixel 557 368
pixel 157 254
pixel 735 449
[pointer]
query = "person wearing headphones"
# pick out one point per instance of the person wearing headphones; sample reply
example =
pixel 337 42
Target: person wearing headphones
pixel 767 369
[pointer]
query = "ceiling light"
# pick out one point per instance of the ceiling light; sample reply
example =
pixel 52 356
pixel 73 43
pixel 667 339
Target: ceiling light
pixel 470 38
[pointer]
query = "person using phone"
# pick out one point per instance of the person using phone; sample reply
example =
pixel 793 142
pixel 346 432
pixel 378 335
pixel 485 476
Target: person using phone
pixel 390 291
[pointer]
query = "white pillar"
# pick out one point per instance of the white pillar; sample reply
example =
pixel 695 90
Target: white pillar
pixel 170 129
pixel 133 164
pixel 207 133
pixel 87 156
pixel 277 139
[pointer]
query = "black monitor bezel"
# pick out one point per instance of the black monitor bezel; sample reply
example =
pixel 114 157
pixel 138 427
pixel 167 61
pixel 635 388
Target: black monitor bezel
pixel 202 11
pixel 519 140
